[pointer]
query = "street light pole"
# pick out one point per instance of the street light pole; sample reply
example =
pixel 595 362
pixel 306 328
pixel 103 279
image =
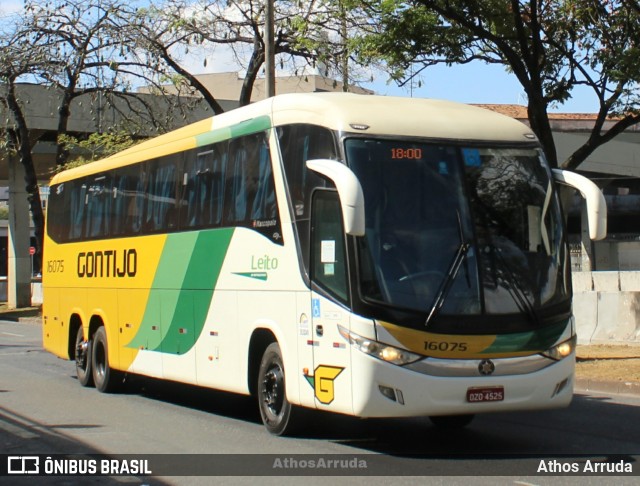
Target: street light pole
pixel 269 50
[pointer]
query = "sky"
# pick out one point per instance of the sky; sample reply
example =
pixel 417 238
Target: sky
pixel 478 83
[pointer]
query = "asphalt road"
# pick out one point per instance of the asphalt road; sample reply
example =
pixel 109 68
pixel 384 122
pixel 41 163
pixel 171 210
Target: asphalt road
pixel 184 431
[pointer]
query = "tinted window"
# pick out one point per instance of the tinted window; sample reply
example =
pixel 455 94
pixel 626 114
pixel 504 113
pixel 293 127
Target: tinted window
pixel 299 143
pixel 97 209
pixel 162 204
pixel 250 186
pixel 328 244
pixel 128 201
pixel 230 183
pixel 203 183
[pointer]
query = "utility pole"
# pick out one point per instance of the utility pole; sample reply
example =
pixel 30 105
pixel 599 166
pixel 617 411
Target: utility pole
pixel 269 49
pixel 345 54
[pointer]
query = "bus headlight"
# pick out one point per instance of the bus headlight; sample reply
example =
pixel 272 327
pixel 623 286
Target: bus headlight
pixel 382 351
pixel 562 350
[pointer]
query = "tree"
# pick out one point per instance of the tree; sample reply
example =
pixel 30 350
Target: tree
pixel 551 46
pixel 84 54
pixel 307 33
pixel 160 34
pixel 17 60
pixel 94 147
pixel 76 49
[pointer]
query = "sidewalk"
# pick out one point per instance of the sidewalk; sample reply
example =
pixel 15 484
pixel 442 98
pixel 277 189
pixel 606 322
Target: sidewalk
pixel 19 315
pixel 610 368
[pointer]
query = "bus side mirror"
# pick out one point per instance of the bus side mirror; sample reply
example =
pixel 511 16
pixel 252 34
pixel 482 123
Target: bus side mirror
pixel 596 204
pixel 349 190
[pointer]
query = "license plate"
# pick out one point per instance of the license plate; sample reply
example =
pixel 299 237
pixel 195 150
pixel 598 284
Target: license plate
pixel 487 394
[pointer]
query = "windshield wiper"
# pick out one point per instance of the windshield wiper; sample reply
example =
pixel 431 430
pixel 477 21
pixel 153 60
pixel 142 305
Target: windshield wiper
pixel 451 274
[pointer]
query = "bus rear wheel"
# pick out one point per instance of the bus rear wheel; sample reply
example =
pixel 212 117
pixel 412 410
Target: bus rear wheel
pixel 451 421
pixel 83 359
pixel 105 378
pixel 276 411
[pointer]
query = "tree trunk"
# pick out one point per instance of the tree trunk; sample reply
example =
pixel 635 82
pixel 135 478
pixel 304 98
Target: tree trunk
pixel 64 112
pixel 257 59
pixel 539 119
pixel 21 138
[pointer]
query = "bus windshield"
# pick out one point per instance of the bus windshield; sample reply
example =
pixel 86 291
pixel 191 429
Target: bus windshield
pixel 455 230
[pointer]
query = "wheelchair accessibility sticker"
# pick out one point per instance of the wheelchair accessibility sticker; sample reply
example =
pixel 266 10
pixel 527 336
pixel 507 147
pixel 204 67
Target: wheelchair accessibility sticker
pixel 315 307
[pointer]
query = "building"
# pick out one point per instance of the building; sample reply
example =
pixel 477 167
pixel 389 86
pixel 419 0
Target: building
pixel 227 86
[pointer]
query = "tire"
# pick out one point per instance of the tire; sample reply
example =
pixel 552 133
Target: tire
pixel 106 379
pixel 83 359
pixel 276 411
pixel 451 421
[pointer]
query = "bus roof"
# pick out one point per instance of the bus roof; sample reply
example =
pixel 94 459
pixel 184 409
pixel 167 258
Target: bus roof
pixel 345 112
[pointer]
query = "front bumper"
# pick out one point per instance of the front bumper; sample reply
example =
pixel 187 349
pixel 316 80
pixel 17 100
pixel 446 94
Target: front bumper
pixel 418 393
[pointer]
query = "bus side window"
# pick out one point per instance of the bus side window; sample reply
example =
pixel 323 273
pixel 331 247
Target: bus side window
pixel 329 265
pixel 98 207
pixel 264 198
pixel 299 143
pixel 250 186
pixel 203 187
pixel 77 196
pixel 128 201
pixel 58 216
pixel 161 209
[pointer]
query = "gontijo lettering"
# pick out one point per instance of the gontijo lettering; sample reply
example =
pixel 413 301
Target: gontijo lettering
pixel 108 263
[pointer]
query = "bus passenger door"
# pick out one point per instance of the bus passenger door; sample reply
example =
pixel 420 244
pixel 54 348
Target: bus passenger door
pixel 331 376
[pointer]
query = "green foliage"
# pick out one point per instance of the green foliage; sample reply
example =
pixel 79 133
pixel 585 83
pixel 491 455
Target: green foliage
pixel 552 46
pixel 95 146
pixel 7 147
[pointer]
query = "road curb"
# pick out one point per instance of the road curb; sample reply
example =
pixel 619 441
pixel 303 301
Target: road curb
pixel 601 386
pixel 24 314
pixel 22 319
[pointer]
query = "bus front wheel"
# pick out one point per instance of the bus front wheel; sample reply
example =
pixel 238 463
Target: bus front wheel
pixel 105 378
pixel 83 359
pixel 275 410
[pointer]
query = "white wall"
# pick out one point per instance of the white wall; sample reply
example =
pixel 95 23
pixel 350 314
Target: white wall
pixel 606 306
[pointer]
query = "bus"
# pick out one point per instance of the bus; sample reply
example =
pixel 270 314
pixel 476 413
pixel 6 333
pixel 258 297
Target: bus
pixel 363 255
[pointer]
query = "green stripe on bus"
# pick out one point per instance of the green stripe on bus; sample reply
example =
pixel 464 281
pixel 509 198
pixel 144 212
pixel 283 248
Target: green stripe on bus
pixel 538 340
pixel 248 127
pixel 182 290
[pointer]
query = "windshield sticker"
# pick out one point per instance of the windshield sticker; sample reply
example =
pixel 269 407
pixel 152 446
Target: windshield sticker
pixel 328 251
pixel 471 157
pixel 443 168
